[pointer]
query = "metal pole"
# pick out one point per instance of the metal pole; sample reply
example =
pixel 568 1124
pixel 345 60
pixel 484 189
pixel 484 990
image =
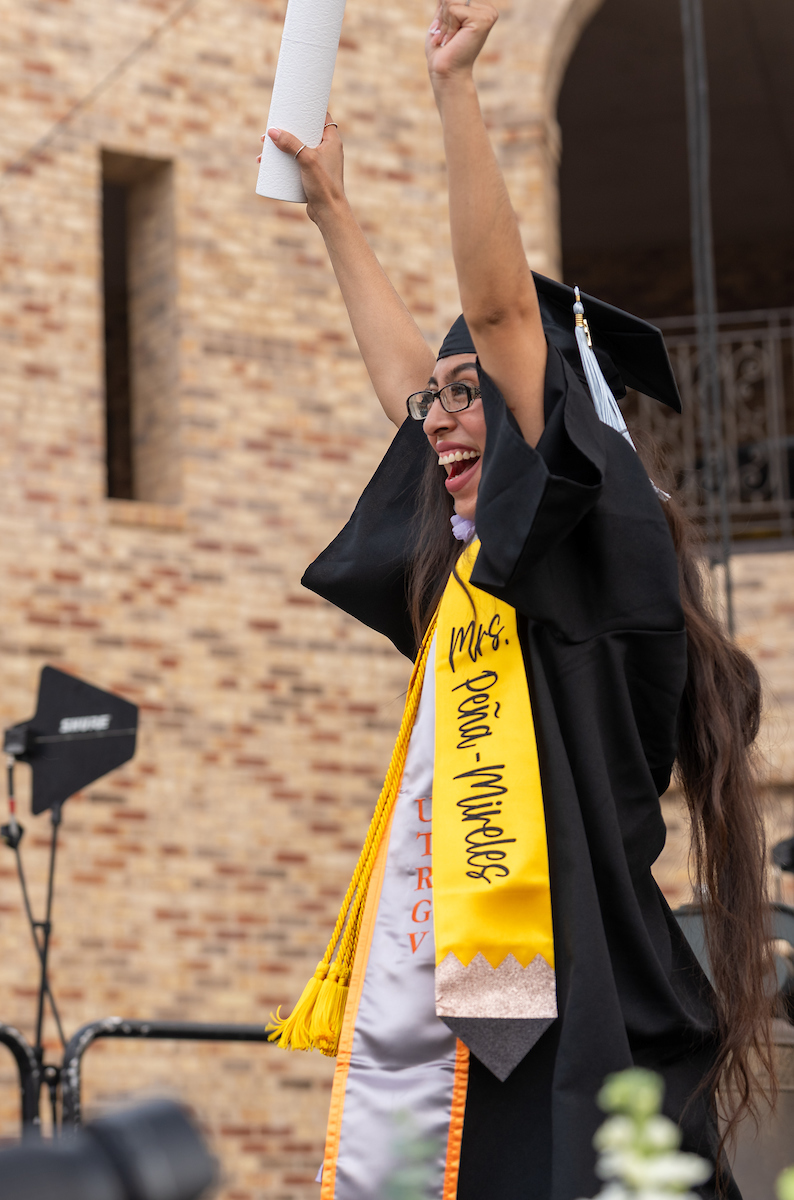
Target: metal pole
pixel 12 835
pixel 46 926
pixel 699 140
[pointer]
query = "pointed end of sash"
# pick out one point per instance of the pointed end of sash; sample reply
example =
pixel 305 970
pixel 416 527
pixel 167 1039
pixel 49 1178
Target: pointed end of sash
pixel 500 1043
pixel 509 990
pixel 499 1013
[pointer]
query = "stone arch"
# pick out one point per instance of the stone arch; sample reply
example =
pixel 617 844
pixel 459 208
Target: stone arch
pixel 624 199
pixel 625 230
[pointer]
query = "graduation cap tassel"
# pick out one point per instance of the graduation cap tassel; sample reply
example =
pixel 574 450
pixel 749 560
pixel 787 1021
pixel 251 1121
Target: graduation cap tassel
pixel 605 403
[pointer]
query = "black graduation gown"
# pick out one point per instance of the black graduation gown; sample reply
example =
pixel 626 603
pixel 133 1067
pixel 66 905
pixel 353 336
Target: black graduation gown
pixel 574 538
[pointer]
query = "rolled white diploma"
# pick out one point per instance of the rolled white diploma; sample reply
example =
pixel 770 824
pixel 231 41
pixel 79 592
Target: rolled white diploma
pixel 301 90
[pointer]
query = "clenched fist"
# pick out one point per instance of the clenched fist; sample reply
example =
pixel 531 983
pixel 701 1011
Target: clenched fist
pixel 456 36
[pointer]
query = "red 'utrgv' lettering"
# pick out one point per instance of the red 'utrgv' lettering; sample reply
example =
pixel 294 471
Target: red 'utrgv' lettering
pixel 421 910
pixel 422 816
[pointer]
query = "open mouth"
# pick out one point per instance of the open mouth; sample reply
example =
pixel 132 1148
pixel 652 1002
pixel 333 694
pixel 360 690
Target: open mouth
pixel 460 466
pixel 459 461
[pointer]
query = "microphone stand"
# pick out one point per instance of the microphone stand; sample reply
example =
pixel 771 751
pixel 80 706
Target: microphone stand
pixel 46 927
pixel 12 835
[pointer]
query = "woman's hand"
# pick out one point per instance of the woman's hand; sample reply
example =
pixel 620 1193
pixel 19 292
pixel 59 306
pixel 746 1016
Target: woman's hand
pixel 398 359
pixel 322 168
pixel 496 288
pixel 456 36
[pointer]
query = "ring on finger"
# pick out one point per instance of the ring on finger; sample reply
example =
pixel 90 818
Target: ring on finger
pixel 297 152
pixel 328 123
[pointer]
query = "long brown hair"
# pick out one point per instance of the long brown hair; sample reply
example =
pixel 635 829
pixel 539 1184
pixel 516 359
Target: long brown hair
pixel 719 719
pixel 436 548
pixel 718 722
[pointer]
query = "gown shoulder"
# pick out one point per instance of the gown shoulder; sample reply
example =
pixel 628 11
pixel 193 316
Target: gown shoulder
pixel 572 533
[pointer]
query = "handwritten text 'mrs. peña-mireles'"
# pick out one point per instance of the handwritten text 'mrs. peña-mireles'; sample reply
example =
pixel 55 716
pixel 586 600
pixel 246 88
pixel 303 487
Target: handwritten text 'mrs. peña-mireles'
pixel 469 639
pixel 484 839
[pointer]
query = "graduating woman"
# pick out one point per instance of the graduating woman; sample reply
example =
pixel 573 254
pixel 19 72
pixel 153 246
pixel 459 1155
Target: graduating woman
pixel 503 946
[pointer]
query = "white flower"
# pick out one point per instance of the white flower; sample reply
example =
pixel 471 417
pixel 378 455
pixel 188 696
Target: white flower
pixel 655 1194
pixel 639 1156
pixel 617 1133
pixel 671 1171
pixel 615 1191
pixel 635 1091
pixel 660 1133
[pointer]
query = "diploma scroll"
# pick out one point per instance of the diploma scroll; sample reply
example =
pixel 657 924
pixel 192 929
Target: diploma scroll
pixel 301 90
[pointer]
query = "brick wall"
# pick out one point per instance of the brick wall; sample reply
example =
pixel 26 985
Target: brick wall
pixel 201 880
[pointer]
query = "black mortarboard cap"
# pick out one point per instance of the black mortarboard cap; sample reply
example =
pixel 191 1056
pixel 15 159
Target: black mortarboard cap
pixel 631 352
pixel 458 340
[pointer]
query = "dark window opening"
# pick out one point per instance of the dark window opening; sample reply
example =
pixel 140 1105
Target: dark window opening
pixel 117 342
pixel 141 343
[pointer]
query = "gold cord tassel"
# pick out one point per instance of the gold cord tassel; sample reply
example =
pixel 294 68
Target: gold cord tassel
pixel 293 1032
pixel 315 1022
pixel 329 1011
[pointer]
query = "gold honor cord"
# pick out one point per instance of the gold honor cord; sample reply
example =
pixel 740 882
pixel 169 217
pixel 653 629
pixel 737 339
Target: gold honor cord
pixel 315 1022
pixel 491 892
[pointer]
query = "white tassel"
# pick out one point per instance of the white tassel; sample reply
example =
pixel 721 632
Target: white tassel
pixel 605 403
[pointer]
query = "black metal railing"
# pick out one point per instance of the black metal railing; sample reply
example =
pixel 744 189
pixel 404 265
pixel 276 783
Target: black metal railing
pixel 117 1027
pixel 756 369
pixel 29 1072
pixel 66 1079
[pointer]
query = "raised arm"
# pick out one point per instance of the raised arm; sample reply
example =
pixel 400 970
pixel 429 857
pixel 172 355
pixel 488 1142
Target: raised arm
pixel 497 291
pixel 397 357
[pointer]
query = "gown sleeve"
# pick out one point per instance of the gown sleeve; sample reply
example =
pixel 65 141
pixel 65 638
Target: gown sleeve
pixel 572 531
pixel 363 571
pixel 530 498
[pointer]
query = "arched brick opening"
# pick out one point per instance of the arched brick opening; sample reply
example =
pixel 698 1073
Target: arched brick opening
pixel 625 230
pixel 624 200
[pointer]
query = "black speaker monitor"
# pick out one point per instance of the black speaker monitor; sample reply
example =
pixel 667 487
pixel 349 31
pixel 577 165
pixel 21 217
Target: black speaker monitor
pixel 77 735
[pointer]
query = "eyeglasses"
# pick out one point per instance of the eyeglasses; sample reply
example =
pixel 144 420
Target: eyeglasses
pixel 454 398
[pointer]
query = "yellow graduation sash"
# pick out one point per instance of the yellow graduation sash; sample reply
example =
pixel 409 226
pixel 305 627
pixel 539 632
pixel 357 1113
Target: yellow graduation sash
pixel 490 861
pixel 495 983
